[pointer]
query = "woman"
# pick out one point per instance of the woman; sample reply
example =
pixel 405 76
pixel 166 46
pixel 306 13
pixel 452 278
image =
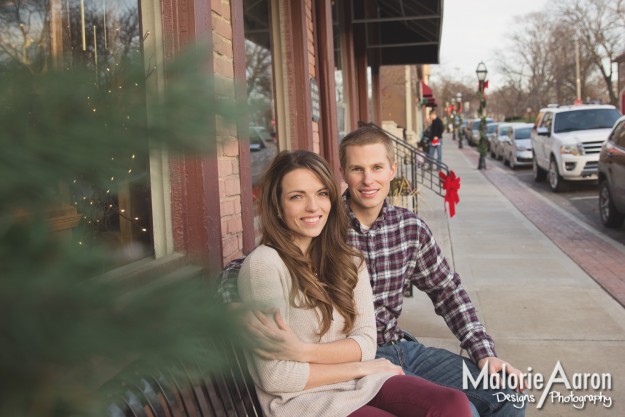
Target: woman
pixel 320 285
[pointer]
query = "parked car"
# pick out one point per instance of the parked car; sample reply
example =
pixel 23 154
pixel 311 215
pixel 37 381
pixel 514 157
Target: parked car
pixel 262 150
pixel 612 177
pixel 473 129
pixel 466 131
pixel 491 131
pixel 566 141
pixel 517 149
pixel 503 132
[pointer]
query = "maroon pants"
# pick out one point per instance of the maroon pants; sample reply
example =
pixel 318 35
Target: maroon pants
pixel 411 396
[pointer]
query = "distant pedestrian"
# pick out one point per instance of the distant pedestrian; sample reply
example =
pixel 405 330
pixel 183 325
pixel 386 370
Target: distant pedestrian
pixel 436 136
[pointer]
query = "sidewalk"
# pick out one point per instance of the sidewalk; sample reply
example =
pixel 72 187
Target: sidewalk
pixel 539 305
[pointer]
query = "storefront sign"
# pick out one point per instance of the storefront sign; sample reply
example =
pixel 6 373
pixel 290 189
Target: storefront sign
pixel 315 101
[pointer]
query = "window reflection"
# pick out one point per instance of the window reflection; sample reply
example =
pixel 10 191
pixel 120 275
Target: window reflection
pixel 341 105
pixel 260 89
pixel 103 36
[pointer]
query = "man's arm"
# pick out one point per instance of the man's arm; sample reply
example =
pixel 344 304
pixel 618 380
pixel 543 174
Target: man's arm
pixel 274 338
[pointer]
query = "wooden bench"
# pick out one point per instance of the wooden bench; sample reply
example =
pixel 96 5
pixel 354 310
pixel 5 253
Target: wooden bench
pixel 225 393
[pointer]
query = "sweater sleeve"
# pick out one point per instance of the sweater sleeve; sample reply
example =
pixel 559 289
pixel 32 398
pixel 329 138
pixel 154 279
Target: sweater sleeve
pixel 364 331
pixel 263 281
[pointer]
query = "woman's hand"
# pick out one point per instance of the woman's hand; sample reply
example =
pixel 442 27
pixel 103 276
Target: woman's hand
pixel 380 366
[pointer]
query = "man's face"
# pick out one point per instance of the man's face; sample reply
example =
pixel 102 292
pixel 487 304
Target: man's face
pixel 368 174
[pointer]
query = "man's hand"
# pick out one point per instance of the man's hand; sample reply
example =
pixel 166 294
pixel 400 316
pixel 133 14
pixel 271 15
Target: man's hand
pixel 496 366
pixel 274 339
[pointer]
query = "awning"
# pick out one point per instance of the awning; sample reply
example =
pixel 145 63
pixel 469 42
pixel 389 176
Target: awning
pixel 426 90
pixel 428 96
pixel 400 32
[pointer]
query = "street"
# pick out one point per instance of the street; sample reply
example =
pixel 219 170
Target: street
pixel 580 199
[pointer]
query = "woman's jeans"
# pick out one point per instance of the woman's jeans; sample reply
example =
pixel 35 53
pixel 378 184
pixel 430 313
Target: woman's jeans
pixel 445 368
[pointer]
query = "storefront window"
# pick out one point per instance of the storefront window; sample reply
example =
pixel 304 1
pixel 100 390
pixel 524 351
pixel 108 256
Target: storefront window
pixel 260 89
pixel 103 36
pixel 341 105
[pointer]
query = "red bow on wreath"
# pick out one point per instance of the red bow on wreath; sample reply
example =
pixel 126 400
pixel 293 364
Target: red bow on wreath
pixel 451 185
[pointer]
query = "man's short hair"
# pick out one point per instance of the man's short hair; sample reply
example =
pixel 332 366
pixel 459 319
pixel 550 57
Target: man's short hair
pixel 366 135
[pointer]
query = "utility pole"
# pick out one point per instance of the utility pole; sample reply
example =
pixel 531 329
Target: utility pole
pixel 578 81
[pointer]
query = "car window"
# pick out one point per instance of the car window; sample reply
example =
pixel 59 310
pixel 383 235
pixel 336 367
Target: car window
pixel 569 121
pixel 546 121
pixel 522 133
pixel 619 138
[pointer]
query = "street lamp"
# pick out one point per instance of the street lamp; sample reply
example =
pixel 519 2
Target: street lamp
pixel 458 118
pixel 453 117
pixel 481 86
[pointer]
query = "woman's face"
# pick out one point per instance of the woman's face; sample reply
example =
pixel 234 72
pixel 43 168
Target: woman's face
pixel 305 206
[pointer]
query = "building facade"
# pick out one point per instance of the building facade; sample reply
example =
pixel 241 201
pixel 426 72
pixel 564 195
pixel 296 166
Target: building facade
pixel 308 70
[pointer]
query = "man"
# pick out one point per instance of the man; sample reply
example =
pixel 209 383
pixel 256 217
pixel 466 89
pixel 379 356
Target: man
pixel 436 136
pixel 399 251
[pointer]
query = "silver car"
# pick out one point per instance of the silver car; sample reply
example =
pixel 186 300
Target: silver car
pixel 503 132
pixel 517 149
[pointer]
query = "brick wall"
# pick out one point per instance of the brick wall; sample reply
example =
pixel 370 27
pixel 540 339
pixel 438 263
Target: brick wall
pixel 312 70
pixel 392 100
pixel 227 144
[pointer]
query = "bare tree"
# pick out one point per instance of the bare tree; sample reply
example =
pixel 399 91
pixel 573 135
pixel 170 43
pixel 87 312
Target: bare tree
pixel 23 34
pixel 526 65
pixel 258 64
pixel 600 32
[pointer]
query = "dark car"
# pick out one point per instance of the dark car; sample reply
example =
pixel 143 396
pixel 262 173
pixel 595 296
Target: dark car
pixel 612 177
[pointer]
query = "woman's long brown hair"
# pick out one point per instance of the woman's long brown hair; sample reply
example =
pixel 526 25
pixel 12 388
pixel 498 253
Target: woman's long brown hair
pixel 329 255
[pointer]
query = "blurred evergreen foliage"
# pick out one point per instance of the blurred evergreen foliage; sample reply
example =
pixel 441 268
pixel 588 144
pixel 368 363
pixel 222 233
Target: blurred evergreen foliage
pixel 65 327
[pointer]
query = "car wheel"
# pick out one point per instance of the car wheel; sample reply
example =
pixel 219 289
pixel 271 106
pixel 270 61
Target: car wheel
pixel 539 173
pixel 556 183
pixel 610 216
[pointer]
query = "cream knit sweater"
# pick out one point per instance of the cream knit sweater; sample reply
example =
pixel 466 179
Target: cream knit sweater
pixel 264 279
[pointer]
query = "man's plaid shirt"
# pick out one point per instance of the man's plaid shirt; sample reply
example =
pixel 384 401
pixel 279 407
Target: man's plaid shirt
pixel 400 251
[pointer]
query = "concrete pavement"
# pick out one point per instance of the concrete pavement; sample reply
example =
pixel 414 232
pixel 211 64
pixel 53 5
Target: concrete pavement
pixel 527 271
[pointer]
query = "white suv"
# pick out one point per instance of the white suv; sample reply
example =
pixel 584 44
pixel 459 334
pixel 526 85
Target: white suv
pixel 566 141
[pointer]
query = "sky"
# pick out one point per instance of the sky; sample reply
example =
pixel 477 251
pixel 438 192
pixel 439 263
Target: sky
pixel 474 30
